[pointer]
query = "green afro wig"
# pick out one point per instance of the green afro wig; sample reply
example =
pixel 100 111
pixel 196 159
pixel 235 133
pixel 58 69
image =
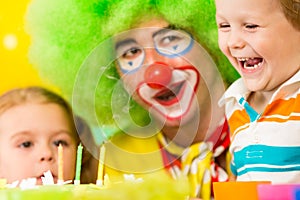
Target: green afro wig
pixel 64 33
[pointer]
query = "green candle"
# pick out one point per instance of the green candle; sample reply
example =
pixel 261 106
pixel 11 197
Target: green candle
pixel 78 164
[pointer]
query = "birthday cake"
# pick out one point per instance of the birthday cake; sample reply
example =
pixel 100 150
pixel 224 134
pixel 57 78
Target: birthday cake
pixel 147 189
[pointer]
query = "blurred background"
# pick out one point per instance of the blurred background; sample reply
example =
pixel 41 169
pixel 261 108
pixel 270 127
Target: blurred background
pixel 15 69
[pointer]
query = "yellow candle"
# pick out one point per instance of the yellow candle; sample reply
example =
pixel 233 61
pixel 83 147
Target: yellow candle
pixel 60 165
pixel 101 166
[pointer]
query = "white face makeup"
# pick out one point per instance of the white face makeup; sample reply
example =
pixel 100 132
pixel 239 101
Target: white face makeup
pixel 167 42
pixel 174 100
pixel 153 69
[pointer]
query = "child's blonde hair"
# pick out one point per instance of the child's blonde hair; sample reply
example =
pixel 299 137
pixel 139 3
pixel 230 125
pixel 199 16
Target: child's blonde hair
pixel 33 94
pixel 39 95
pixel 291 10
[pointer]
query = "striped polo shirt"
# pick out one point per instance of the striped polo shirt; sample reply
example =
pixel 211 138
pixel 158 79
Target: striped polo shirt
pixel 265 146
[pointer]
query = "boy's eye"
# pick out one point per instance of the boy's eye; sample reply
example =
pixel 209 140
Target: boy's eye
pixel 251 26
pixel 62 142
pixel 223 25
pixel 26 144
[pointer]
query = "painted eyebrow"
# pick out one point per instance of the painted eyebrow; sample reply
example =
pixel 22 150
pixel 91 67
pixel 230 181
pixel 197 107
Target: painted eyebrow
pixel 130 40
pixel 124 42
pixel 164 30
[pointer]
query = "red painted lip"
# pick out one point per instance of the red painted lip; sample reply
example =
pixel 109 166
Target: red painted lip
pixel 171 95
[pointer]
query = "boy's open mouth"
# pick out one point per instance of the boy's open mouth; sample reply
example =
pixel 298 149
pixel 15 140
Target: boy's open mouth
pixel 250 63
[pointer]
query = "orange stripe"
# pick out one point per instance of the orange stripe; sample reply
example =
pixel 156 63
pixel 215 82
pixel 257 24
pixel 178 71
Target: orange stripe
pixel 237 119
pixel 278 107
pixel 284 107
pixel 279 120
pixel 233 134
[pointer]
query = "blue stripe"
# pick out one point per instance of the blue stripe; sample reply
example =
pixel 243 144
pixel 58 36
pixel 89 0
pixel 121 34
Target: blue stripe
pixel 268 169
pixel 233 169
pixel 250 111
pixel 270 155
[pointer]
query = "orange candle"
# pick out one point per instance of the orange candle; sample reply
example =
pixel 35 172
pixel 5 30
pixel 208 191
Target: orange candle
pixel 60 165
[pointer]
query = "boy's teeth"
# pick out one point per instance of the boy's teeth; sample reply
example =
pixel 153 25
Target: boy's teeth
pixel 244 59
pixel 251 66
pixel 250 63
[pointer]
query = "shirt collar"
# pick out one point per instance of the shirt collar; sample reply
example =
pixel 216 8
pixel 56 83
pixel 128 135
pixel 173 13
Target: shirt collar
pixel 238 89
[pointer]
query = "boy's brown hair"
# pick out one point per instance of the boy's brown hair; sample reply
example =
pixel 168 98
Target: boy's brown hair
pixel 291 10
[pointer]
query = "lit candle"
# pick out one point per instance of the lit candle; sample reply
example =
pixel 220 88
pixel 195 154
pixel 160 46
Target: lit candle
pixel 78 164
pixel 101 166
pixel 60 165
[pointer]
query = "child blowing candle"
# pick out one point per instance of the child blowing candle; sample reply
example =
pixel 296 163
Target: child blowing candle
pixel 31 148
pixel 34 146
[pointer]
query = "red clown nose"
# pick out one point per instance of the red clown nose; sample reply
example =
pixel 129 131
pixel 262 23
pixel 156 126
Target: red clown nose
pixel 158 75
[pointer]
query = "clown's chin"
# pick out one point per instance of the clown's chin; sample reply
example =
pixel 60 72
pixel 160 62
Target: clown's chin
pixel 175 118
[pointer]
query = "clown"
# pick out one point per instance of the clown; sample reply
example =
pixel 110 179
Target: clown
pixel 141 73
